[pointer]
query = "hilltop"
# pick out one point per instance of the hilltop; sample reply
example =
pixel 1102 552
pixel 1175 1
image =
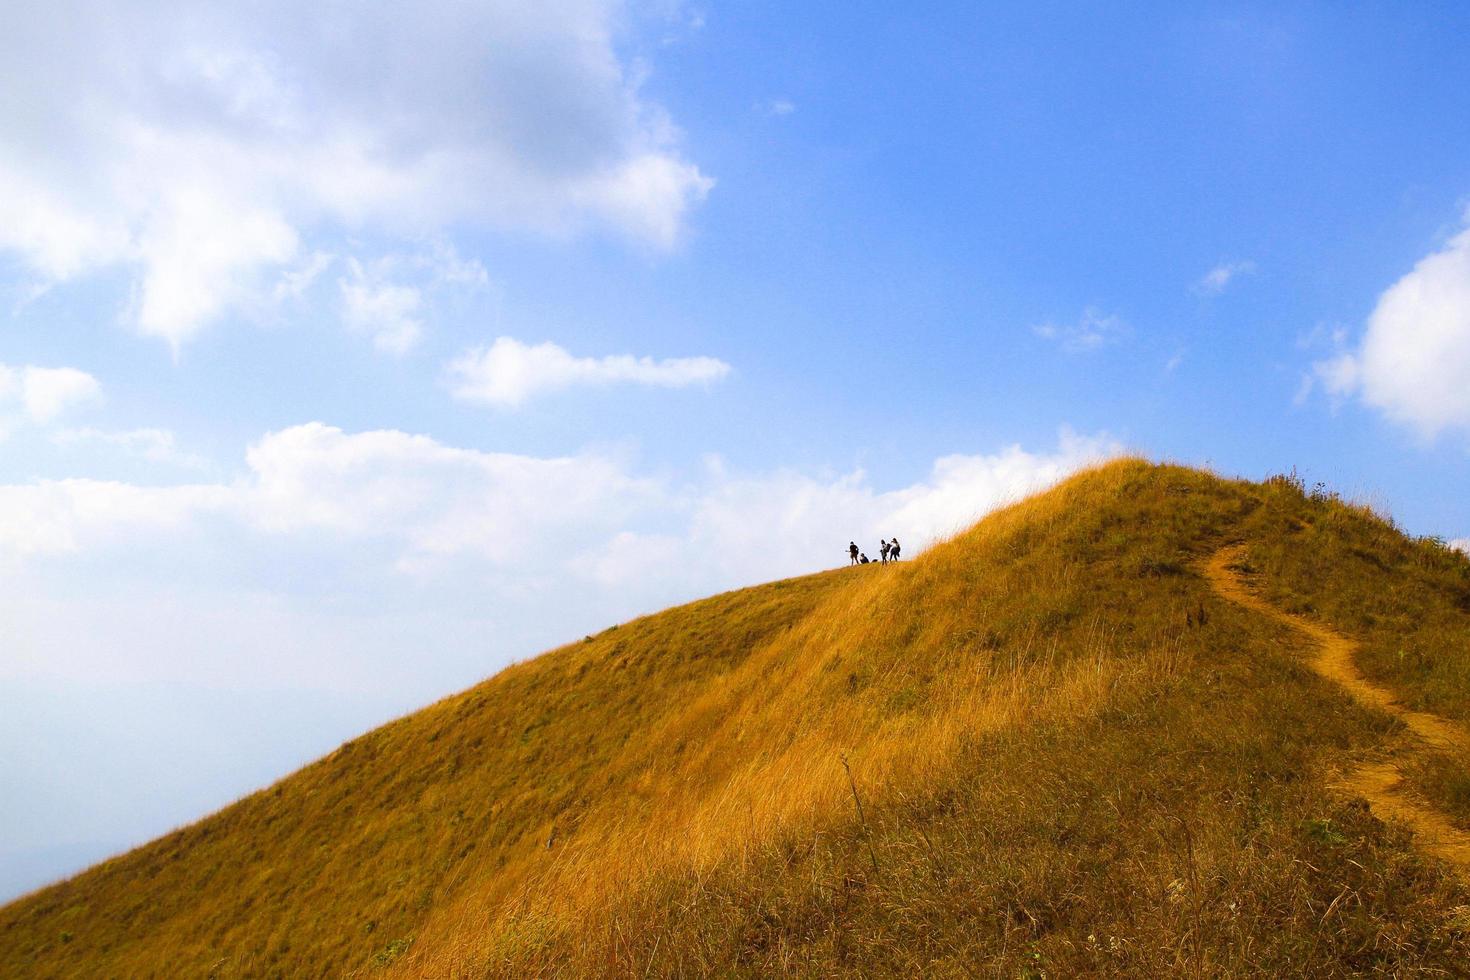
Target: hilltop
pixel 1093 734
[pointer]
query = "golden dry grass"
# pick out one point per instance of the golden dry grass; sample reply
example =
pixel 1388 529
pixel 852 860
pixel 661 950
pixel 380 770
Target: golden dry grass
pixel 1066 756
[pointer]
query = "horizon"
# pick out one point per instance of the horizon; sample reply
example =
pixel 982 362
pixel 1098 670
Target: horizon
pixel 351 358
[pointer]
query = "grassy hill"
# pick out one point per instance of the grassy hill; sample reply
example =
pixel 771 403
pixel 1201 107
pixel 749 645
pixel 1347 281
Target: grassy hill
pixel 1048 747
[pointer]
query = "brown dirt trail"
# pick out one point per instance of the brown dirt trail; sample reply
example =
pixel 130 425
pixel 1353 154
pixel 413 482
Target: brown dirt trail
pixel 1379 782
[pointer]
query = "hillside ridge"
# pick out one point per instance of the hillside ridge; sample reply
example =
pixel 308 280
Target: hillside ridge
pixel 1048 746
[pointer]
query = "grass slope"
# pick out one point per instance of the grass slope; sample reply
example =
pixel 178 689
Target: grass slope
pixel 1043 748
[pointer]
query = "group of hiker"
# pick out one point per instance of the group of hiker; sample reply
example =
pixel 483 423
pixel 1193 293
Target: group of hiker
pixel 887 549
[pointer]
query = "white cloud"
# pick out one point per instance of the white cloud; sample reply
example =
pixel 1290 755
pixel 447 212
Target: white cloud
pixel 1213 283
pixel 328 538
pixel 201 151
pixel 419 498
pixel 1092 330
pixel 776 107
pixel 962 489
pixel 201 253
pixel 62 516
pixel 386 311
pixel 296 281
pixel 387 299
pixel 509 372
pixel 152 445
pixel 40 394
pixel 48 392
pixel 448 268
pixel 1461 545
pixel 430 499
pixel 744 528
pixel 1413 360
pixel 393 504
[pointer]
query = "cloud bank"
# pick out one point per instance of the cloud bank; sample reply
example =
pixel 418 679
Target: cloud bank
pixel 510 372
pixel 385 523
pixel 201 147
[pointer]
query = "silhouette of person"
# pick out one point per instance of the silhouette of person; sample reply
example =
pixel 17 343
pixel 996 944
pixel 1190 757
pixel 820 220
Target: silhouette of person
pixel 883 551
pixel 863 560
pixel 852 552
pixel 893 549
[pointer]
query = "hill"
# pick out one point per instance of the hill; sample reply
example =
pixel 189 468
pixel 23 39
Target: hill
pixel 1094 734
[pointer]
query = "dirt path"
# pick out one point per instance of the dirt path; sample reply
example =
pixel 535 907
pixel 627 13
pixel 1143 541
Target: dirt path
pixel 1380 783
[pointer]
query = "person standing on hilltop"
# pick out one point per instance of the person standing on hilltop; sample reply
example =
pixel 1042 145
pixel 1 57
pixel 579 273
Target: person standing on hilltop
pixel 852 552
pixel 893 549
pixel 883 551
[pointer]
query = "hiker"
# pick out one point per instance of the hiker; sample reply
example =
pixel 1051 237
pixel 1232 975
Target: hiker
pixel 893 550
pixel 852 552
pixel 863 560
pixel 883 551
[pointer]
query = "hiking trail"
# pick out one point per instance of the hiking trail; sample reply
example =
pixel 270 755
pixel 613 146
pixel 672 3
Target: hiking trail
pixel 1377 782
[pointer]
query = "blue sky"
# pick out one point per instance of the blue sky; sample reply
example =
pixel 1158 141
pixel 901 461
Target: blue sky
pixel 349 356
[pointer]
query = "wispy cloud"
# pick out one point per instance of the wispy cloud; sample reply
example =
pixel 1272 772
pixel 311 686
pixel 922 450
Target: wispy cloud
pixel 384 310
pixel 510 372
pixel 294 282
pixel 153 445
pixel 776 107
pixel 1094 329
pixel 389 298
pixel 1214 282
